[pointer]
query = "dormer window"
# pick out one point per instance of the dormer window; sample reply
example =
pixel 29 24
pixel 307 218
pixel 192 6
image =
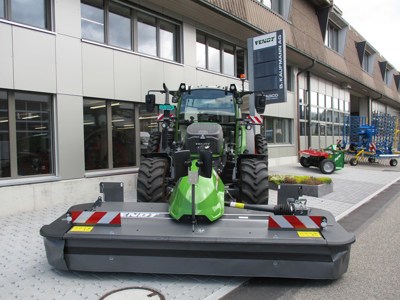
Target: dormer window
pixel 387 72
pixel 366 62
pixel 333 28
pixel 281 7
pixel 332 37
pixel 366 55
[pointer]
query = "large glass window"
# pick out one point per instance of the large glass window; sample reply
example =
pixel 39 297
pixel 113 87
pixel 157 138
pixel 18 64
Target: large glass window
pixel 115 24
pixel 30 12
pixel 219 56
pixel 1 8
pixel 95 133
pixel 201 51
pixel 168 38
pixel 31 144
pixel 109 131
pixel 229 60
pixel 4 137
pixel 147 35
pixel 34 137
pixel 214 58
pixel 123 133
pixel 120 34
pixel 240 55
pixel 278 130
pixel 92 21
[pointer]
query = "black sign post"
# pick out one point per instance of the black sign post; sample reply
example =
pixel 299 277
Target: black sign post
pixel 267 66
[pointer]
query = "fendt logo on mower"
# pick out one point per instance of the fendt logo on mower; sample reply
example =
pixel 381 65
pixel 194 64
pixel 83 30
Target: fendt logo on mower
pixel 139 215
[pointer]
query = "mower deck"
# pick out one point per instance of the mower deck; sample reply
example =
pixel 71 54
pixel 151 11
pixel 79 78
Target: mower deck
pixel 239 244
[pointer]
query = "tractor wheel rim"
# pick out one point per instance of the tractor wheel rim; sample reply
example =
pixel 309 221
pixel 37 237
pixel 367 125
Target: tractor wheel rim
pixel 329 167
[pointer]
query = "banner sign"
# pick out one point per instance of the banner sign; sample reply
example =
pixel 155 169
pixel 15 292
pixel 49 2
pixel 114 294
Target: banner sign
pixel 267 66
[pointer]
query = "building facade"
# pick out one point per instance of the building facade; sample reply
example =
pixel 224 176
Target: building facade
pixel 74 74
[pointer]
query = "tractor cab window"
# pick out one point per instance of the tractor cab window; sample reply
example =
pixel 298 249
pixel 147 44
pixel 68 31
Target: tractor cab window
pixel 207 106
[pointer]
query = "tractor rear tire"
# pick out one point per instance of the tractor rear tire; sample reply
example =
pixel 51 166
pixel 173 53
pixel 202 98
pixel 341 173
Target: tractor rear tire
pixel 305 162
pixel 327 166
pixel 253 184
pixel 154 142
pixel 151 183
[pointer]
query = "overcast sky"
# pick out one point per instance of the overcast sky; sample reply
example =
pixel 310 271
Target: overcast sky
pixel 378 21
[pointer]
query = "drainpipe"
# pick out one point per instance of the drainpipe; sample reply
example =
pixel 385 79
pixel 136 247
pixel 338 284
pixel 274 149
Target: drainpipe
pixel 298 102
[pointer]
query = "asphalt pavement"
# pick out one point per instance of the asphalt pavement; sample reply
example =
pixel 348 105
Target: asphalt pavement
pixel 25 273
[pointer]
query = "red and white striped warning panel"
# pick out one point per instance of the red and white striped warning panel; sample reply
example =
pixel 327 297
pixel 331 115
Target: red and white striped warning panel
pixel 96 217
pixel 160 117
pixel 296 222
pixel 255 119
pixel 372 147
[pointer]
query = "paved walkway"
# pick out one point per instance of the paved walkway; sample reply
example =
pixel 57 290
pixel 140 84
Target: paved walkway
pixel 25 273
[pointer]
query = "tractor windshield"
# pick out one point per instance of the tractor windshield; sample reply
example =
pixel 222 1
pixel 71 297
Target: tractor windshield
pixel 207 105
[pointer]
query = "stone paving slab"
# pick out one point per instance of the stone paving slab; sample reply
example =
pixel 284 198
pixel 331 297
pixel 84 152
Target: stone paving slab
pixel 25 273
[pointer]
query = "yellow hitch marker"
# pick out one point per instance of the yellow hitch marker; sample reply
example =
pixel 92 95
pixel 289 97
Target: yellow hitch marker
pixel 81 229
pixel 309 234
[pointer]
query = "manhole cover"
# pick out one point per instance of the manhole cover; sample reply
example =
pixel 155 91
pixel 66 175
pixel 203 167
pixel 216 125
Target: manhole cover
pixel 133 293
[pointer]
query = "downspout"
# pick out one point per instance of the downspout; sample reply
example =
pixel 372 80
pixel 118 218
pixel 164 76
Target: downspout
pixel 298 102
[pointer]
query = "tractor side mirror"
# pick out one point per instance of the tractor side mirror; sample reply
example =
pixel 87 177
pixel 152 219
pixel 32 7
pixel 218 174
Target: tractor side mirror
pixel 260 102
pixel 150 102
pixel 205 168
pixel 181 159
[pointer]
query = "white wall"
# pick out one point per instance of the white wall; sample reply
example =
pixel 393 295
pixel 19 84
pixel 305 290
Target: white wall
pixel 70 192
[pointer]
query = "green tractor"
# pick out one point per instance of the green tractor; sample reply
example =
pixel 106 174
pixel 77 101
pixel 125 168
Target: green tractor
pixel 204 155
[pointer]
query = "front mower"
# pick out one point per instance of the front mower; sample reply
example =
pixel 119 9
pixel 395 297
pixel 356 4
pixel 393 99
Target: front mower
pixel 202 207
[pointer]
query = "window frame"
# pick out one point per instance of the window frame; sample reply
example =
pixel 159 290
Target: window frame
pixel 134 14
pixel 222 46
pixel 332 36
pixel 281 7
pixel 109 130
pixel 48 15
pixel 287 135
pixel 389 72
pixel 13 138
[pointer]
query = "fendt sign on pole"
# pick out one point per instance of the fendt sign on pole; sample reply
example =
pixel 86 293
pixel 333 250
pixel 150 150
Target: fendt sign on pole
pixel 267 66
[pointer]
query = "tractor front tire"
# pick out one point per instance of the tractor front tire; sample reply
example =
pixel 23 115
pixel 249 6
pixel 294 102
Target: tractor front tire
pixel 353 162
pixel 305 162
pixel 151 183
pixel 327 166
pixel 253 184
pixel 154 142
pixel 261 145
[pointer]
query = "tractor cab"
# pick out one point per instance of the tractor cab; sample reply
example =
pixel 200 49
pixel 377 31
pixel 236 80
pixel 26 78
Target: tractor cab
pixel 207 119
